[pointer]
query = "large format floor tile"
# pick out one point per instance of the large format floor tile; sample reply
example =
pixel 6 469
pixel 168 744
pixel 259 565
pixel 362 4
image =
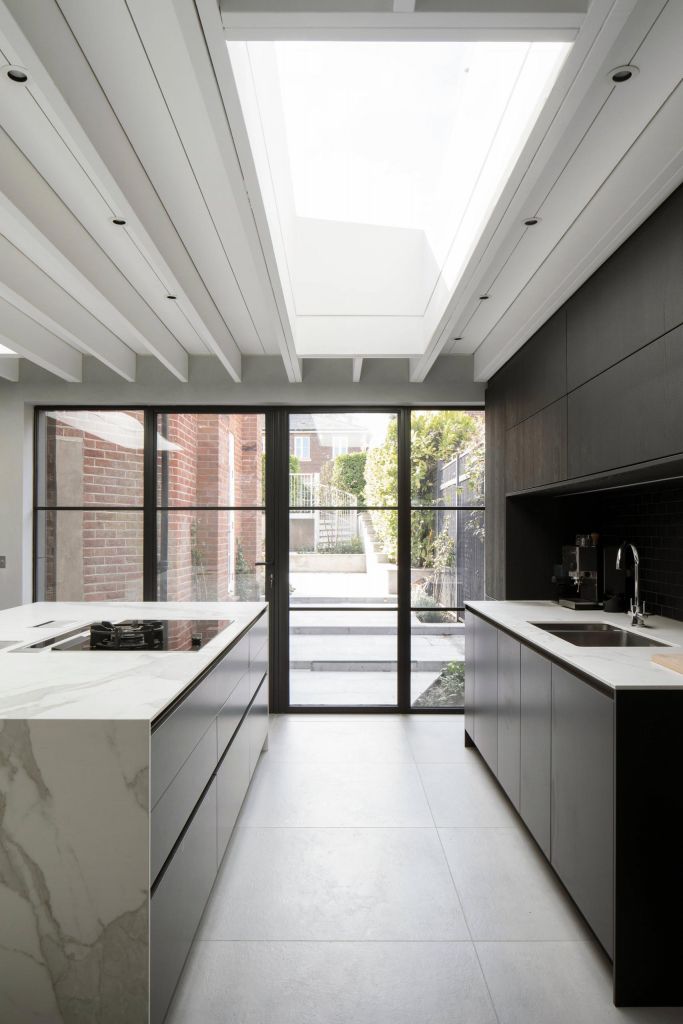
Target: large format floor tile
pixel 465 796
pixel 506 888
pixel 334 883
pixel 438 739
pixel 558 983
pixel 326 738
pixel 316 794
pixel 332 983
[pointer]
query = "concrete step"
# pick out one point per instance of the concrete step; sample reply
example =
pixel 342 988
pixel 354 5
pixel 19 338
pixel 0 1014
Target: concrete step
pixel 364 666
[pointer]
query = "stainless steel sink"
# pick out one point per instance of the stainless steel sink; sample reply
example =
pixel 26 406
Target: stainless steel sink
pixel 597 634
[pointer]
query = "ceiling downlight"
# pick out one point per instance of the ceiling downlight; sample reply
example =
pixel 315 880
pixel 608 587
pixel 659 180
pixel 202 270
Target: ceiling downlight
pixel 17 75
pixel 624 73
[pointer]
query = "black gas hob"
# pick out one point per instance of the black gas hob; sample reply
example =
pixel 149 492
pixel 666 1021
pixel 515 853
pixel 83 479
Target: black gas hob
pixel 136 635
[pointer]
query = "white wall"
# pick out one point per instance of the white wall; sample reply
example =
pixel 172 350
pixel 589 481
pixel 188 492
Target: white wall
pixel 326 382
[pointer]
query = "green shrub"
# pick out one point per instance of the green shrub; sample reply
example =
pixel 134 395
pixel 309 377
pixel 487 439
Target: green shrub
pixel 421 600
pixel 447 690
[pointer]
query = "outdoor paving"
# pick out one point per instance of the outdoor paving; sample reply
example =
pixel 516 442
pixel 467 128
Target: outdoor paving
pixel 358 651
pixel 351 688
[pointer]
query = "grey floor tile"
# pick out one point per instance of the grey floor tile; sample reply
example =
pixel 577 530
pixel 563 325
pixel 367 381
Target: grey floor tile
pixel 465 796
pixel 558 983
pixel 438 739
pixel 340 739
pixel 334 883
pixel 332 983
pixel 349 795
pixel 506 887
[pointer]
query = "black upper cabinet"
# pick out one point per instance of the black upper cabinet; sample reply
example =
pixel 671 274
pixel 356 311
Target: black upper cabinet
pixel 495 491
pixel 536 449
pixel 631 413
pixel 537 376
pixel 635 297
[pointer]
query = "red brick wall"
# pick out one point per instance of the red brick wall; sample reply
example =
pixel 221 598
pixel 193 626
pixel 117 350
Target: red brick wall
pixel 106 555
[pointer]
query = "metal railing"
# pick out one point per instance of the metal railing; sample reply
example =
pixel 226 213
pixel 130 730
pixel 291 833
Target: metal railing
pixel 332 527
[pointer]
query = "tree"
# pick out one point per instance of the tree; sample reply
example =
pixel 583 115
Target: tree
pixel 435 437
pixel 348 474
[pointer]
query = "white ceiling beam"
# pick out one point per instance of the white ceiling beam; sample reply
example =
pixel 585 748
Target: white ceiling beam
pixel 357 369
pixel 29 289
pixel 247 190
pixel 30 340
pixel 404 6
pixel 399 25
pixel 63 80
pixel 9 368
pixel 36 221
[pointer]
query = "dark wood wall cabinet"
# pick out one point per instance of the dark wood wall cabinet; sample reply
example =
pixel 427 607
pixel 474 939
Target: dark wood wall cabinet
pixel 203 756
pixel 594 775
pixel 596 391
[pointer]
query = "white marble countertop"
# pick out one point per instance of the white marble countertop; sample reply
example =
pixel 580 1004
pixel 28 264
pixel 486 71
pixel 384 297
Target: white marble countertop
pixel 104 684
pixel 616 667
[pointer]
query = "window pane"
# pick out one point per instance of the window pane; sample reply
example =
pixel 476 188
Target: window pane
pixel 91 457
pixel 335 558
pixel 447 558
pixel 343 459
pixel 93 555
pixel 343 657
pixel 210 459
pixel 437 652
pixel 210 556
pixel 447 457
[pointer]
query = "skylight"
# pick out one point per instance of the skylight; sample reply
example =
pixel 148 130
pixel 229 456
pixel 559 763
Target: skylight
pixel 380 163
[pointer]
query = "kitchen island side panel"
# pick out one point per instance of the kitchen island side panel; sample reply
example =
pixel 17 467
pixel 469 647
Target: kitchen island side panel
pixel 74 871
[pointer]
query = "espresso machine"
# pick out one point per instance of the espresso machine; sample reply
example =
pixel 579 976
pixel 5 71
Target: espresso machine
pixel 577 577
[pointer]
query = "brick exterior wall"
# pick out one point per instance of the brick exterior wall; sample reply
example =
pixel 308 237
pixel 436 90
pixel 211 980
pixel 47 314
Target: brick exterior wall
pixel 98 555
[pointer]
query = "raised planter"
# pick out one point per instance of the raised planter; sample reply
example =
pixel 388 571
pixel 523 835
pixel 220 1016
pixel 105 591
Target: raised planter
pixel 326 563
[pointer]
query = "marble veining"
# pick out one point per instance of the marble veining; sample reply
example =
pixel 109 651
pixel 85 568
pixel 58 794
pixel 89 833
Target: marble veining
pixel 618 668
pixel 74 872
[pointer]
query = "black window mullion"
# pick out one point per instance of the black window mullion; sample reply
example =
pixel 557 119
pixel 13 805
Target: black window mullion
pixel 403 559
pixel 149 527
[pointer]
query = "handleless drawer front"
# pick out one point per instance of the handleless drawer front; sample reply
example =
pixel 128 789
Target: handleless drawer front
pixel 177 803
pixel 257 722
pixel 179 901
pixel 176 738
pixel 232 712
pixel 232 782
pixel 258 654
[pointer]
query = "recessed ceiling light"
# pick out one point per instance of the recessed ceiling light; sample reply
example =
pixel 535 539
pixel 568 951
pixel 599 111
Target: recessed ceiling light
pixel 119 221
pixel 459 338
pixel 624 73
pixel 171 296
pixel 530 222
pixel 482 298
pixel 17 75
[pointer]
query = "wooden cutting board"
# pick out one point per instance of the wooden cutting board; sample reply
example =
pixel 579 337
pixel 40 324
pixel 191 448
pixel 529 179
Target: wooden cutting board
pixel 672 661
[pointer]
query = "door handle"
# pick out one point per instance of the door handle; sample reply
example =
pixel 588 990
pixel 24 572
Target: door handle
pixel 271 574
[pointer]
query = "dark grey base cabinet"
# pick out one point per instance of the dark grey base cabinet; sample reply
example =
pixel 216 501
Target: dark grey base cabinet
pixel 582 807
pixel 199 784
pixel 595 775
pixel 535 745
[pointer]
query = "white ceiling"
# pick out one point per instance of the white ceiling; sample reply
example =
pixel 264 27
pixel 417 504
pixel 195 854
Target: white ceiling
pixel 131 111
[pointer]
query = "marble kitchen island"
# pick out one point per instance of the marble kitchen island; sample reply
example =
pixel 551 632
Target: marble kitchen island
pixel 110 761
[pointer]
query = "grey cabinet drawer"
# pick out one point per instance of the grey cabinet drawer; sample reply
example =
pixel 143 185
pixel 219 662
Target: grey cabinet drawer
pixel 176 738
pixel 536 706
pixel 230 715
pixel 177 802
pixel 257 721
pixel 178 902
pixel 258 654
pixel 232 782
pixel 582 799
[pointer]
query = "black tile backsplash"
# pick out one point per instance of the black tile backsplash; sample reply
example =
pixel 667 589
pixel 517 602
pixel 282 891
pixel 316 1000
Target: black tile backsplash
pixel 649 516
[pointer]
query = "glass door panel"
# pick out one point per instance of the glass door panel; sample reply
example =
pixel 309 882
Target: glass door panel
pixel 343 596
pixel 447 531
